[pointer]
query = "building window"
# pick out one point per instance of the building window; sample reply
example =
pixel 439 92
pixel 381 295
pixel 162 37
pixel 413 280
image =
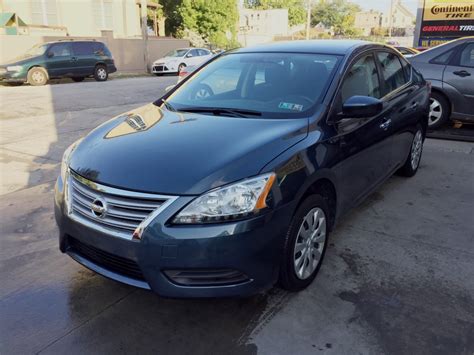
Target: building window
pixel 103 14
pixel 44 12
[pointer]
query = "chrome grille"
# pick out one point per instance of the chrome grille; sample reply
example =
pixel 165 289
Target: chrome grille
pixel 123 211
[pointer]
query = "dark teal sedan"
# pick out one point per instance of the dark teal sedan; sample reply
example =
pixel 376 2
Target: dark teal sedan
pixel 235 178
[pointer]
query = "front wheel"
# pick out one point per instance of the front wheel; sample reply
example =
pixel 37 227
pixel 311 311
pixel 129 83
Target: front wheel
pixel 412 163
pixel 37 76
pixel 100 73
pixel 305 244
pixel 181 67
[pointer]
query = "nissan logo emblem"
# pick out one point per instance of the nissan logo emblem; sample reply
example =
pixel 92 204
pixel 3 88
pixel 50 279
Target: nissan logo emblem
pixel 99 207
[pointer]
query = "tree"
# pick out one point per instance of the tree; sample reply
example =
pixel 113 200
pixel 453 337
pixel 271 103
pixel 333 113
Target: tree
pixel 296 9
pixel 338 14
pixel 215 21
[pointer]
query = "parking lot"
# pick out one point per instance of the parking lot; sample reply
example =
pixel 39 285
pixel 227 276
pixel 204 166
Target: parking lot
pixel 398 277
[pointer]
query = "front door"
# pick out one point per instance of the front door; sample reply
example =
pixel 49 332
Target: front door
pixel 84 58
pixel 363 145
pixel 59 61
pixel 460 75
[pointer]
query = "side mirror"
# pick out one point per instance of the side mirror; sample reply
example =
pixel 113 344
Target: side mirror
pixel 168 88
pixel 361 106
pixel 189 55
pixel 50 54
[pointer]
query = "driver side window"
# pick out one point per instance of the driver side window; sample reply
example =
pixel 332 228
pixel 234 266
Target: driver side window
pixel 60 50
pixel 362 79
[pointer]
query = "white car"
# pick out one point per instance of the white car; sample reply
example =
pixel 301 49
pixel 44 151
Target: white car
pixel 177 59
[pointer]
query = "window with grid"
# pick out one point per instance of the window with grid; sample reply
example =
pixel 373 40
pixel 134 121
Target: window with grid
pixel 44 12
pixel 103 14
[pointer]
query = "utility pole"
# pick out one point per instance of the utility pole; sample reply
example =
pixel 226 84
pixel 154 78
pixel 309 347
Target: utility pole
pixel 144 16
pixel 308 19
pixel 390 28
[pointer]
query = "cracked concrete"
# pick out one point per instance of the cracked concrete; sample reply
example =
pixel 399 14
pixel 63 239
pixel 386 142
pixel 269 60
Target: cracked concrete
pixel 398 276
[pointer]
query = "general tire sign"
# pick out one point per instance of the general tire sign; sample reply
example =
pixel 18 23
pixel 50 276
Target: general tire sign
pixel 444 20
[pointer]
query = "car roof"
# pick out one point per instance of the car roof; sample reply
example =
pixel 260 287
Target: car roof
pixel 433 52
pixel 333 46
pixel 73 41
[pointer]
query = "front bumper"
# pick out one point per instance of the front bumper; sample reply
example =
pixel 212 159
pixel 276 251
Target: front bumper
pixel 12 76
pixel 235 259
pixel 163 68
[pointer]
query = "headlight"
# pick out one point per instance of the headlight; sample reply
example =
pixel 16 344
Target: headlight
pixel 14 68
pixel 231 202
pixel 67 157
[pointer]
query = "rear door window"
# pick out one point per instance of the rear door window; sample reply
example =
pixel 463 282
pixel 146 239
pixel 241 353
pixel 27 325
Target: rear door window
pixel 467 56
pixel 362 79
pixel 392 71
pixel 60 50
pixel 82 48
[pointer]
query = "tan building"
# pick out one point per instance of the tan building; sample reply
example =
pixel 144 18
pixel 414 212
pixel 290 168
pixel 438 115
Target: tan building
pixel 402 22
pixel 260 26
pixel 82 17
pixel 367 21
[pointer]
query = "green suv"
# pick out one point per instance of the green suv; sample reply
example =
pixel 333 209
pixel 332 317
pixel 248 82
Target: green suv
pixel 71 59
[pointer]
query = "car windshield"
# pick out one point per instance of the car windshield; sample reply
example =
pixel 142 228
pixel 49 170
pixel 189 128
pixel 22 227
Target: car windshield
pixel 176 53
pixel 39 49
pixel 276 85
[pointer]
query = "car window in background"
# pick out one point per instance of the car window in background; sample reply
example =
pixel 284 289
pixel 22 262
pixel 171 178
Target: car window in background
pixel 362 79
pixel 467 56
pixel 203 52
pixel 275 84
pixel 82 48
pixel 176 53
pixel 60 50
pixel 194 52
pixel 393 73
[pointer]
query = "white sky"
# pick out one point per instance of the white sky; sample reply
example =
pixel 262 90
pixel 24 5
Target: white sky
pixel 384 5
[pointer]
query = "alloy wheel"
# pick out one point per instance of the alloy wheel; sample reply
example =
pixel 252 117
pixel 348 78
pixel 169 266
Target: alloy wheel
pixel 310 243
pixel 436 112
pixel 101 73
pixel 38 77
pixel 416 149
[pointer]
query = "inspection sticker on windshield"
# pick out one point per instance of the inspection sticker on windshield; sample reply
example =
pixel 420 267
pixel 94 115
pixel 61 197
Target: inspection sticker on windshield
pixel 290 106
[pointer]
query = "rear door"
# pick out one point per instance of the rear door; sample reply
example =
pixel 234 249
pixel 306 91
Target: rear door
pixel 83 58
pixel 192 57
pixel 59 62
pixel 404 103
pixel 459 74
pixel 363 144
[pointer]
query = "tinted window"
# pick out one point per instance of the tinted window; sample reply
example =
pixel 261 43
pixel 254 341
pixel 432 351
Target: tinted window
pixel 99 48
pixel 362 79
pixel 467 56
pixel 82 48
pixel 203 52
pixel 276 84
pixel 392 71
pixel 443 58
pixel 60 50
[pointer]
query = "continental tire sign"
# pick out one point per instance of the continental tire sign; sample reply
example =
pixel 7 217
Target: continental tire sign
pixel 444 20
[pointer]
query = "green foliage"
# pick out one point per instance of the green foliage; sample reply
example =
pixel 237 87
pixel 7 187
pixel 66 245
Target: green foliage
pixel 214 21
pixel 338 14
pixel 296 10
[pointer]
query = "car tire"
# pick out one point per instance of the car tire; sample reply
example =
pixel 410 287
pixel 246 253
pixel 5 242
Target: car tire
pixel 37 76
pixel 181 67
pixel 439 111
pixel 305 244
pixel 410 167
pixel 78 79
pixel 101 73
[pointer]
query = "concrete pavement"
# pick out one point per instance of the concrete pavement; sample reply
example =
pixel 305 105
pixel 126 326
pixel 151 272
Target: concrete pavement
pixel 398 275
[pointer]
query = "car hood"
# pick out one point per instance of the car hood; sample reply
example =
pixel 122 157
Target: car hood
pixel 167 59
pixel 155 150
pixel 20 60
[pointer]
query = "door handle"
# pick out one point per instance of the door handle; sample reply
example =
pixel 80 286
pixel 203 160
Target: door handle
pixel 73 59
pixel 386 124
pixel 462 73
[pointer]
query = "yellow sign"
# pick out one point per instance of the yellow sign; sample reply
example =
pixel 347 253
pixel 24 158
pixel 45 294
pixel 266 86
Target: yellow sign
pixel 442 10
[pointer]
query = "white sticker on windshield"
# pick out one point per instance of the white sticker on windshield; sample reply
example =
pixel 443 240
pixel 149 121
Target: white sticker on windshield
pixel 290 106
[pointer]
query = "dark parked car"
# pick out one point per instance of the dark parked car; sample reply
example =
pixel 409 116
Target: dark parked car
pixel 72 59
pixel 225 194
pixel 450 69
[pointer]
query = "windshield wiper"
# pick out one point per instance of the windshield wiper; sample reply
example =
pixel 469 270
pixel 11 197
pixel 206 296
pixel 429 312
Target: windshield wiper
pixel 168 105
pixel 218 111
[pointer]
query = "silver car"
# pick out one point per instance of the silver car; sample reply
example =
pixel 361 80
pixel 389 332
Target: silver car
pixel 450 69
